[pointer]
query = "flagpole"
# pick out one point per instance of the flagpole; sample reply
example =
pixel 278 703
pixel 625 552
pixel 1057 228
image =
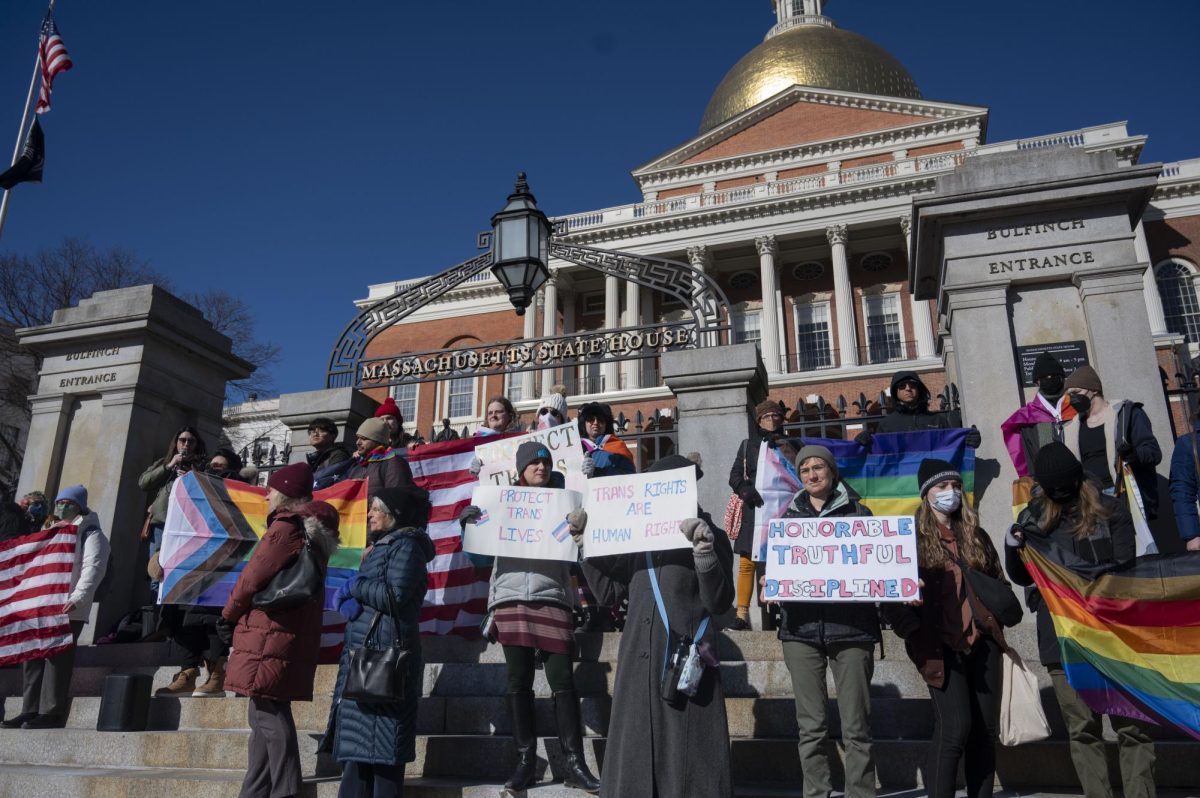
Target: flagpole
pixel 37 67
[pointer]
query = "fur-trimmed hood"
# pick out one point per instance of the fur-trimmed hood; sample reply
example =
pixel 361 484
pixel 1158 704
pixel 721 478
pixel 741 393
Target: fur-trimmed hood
pixel 320 522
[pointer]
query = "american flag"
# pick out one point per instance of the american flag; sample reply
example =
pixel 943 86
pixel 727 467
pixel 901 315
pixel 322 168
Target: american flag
pixel 457 597
pixel 53 56
pixel 35 582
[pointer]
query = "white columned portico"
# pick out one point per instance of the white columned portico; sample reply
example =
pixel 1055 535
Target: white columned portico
pixel 700 257
pixel 549 324
pixel 922 321
pixel 1154 307
pixel 633 318
pixel 843 297
pixel 768 248
pixel 528 379
pixel 612 320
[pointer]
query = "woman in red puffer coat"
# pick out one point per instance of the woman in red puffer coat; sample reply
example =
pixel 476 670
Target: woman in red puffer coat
pixel 274 652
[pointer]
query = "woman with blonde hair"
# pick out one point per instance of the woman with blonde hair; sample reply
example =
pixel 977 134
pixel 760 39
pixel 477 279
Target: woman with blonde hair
pixel 954 641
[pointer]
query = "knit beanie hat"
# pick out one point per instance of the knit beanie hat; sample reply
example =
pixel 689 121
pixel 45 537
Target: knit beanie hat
pixel 767 406
pixel 1056 469
pixel 932 471
pixel 1047 365
pixel 294 481
pixel 1085 378
pixel 388 408
pixel 530 452
pixel 812 450
pixel 374 429
pixel 409 505
pixel 74 493
pixel 672 462
pixel 556 400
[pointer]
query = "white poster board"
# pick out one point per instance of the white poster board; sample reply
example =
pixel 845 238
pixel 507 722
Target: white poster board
pixel 500 458
pixel 529 523
pixel 842 559
pixel 638 512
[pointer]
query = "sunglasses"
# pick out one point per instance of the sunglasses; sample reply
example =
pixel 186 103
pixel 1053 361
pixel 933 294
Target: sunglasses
pixel 544 410
pixel 906 386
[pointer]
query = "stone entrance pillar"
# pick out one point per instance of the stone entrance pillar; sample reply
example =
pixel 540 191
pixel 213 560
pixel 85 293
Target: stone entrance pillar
pixel 121 372
pixel 1033 248
pixel 346 407
pixel 715 389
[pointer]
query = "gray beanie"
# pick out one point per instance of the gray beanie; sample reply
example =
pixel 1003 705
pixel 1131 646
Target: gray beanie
pixel 812 450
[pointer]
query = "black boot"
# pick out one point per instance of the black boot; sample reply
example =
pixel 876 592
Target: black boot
pixel 570 736
pixel 520 710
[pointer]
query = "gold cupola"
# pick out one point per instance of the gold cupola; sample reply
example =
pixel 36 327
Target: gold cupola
pixel 805 48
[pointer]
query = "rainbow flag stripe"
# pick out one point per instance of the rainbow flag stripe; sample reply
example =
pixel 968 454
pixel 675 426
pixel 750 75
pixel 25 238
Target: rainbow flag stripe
pixel 1130 637
pixel 886 475
pixel 213 525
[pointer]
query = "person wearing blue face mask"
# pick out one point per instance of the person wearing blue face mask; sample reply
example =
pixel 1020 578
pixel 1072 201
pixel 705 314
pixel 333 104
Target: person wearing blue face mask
pixel 956 651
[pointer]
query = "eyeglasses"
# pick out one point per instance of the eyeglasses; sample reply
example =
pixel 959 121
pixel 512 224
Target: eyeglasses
pixel 188 439
pixel 544 410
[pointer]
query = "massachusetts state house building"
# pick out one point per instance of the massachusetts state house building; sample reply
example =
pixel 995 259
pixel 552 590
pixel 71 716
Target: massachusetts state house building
pixel 795 196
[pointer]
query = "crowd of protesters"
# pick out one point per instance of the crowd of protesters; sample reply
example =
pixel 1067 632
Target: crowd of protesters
pixel 1077 450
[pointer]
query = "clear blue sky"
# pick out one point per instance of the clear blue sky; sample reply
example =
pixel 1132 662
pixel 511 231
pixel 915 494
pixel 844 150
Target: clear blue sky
pixel 295 152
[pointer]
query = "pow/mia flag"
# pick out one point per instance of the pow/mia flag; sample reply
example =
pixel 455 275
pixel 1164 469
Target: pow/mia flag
pixel 28 168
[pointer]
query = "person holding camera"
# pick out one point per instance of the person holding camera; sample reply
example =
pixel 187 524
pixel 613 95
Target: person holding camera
pixel 185 452
pixel 668 735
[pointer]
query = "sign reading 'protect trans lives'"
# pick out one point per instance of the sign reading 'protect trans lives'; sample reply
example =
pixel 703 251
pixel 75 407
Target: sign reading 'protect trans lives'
pixel 842 559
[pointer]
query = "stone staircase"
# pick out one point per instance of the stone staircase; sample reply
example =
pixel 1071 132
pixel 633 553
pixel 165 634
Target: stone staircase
pixel 197 746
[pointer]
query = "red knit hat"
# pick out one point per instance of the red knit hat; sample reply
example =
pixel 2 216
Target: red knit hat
pixel 294 481
pixel 388 408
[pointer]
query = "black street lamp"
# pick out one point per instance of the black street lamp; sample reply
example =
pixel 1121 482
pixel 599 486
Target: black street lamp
pixel 521 246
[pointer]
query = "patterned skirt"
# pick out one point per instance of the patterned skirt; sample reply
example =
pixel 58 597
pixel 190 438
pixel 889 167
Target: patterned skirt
pixel 549 627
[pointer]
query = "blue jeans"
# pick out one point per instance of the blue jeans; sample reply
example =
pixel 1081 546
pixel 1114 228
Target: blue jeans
pixel 155 544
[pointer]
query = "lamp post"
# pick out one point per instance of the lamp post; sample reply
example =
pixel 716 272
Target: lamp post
pixel 521 246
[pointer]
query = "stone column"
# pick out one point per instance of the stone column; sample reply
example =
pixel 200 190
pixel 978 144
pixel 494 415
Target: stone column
pixel 528 379
pixel 571 373
pixel 345 407
pixel 1154 307
pixel 843 297
pixel 701 259
pixel 633 318
pixel 771 352
pixel 549 327
pixel 612 320
pixel 922 322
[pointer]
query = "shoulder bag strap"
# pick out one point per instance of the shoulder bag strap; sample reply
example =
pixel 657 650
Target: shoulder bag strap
pixel 662 612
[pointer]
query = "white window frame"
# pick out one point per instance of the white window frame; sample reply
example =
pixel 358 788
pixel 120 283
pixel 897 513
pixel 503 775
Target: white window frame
pixel 745 315
pixel 446 398
pixel 800 307
pixel 590 299
pixel 884 296
pixel 1192 269
pixel 513 385
pixel 410 421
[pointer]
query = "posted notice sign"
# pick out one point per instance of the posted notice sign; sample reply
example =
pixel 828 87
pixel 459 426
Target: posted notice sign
pixel 566 452
pixel 638 512
pixel 842 559
pixel 530 523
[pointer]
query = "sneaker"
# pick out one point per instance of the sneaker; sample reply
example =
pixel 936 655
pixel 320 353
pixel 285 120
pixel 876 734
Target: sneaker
pixel 739 624
pixel 214 686
pixel 182 685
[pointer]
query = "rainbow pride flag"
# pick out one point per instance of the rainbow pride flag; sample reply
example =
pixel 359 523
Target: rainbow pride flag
pixel 1129 636
pixel 213 525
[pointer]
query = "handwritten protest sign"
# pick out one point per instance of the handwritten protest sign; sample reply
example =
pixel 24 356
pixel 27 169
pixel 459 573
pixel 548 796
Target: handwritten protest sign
pixel 530 523
pixel 842 559
pixel 638 512
pixel 500 458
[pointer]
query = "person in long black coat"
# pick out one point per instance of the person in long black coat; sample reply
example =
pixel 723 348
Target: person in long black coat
pixel 656 748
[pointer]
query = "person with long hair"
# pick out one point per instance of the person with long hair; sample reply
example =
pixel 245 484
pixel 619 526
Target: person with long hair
pixel 1070 512
pixel 500 417
pixel 955 645
pixel 530 602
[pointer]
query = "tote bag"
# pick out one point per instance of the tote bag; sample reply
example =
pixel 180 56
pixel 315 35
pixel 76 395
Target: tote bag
pixel 1022 719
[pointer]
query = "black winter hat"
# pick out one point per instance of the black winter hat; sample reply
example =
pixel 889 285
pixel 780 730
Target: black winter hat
pixel 596 410
pixel 673 461
pixel 409 505
pixel 1047 365
pixel 932 471
pixel 530 452
pixel 1056 469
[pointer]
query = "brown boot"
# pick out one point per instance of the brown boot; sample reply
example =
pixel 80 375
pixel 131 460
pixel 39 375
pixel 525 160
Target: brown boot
pixel 182 685
pixel 214 686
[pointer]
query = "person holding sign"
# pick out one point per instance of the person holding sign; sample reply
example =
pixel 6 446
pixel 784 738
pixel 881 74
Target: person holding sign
pixel 956 651
pixel 530 605
pixel 668 735
pixel 818 635
pixel 607 455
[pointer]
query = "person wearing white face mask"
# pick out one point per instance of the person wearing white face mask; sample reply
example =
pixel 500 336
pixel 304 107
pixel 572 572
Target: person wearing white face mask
pixel 956 650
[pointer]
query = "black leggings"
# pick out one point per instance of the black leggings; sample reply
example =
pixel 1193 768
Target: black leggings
pixel 965 712
pixel 521 663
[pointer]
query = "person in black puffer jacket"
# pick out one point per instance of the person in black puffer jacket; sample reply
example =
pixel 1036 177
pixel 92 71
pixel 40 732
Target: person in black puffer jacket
pixel 817 635
pixel 910 411
pixel 1070 512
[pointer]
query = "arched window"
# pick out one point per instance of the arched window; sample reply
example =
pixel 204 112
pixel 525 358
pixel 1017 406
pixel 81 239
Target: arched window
pixel 1176 280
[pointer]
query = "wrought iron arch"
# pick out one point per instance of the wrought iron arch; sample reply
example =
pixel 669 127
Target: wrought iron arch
pixel 695 289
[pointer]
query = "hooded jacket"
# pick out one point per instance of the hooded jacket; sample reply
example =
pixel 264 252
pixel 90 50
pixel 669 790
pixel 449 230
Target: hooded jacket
pixel 1127 422
pixel 90 565
pixel 905 418
pixel 1020 437
pixel 1185 485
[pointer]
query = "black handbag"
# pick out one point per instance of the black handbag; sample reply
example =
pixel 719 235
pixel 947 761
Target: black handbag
pixel 377 675
pixel 299 582
pixel 994 594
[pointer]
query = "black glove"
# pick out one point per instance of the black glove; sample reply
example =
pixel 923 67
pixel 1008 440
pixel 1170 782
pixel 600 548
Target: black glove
pixel 1126 451
pixel 225 631
pixel 863 439
pixel 974 438
pixel 749 495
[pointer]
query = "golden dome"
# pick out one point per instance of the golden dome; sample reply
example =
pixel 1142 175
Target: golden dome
pixel 808 55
